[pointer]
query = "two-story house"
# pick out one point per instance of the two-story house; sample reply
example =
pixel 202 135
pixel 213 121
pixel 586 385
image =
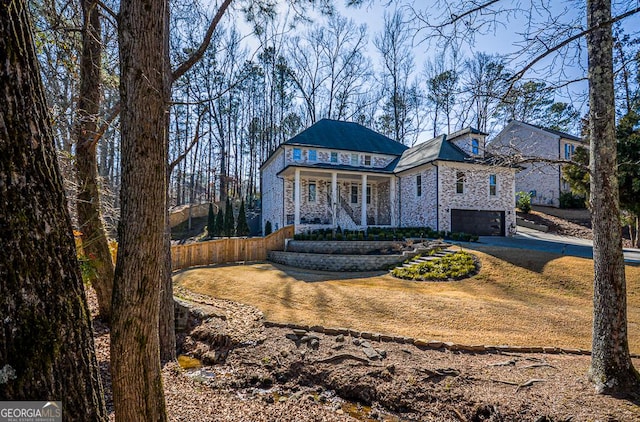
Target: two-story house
pixel 540 152
pixel 338 173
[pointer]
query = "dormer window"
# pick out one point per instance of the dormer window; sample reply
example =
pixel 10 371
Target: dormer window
pixel 367 160
pixel 334 157
pixel 355 159
pixel 297 154
pixel 313 155
pixel 475 146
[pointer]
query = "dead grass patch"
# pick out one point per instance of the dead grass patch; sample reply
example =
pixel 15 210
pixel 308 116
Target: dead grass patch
pixel 518 298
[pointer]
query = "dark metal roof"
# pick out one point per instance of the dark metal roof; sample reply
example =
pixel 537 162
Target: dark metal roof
pixel 435 149
pixel 334 134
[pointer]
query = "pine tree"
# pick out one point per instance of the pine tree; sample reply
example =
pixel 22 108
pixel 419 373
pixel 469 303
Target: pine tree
pixel 229 224
pixel 219 228
pixel 242 229
pixel 267 228
pixel 211 223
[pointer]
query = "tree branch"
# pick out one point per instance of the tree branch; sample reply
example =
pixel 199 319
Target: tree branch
pixel 197 55
pixel 569 40
pixel 194 141
pixel 107 9
pixel 115 112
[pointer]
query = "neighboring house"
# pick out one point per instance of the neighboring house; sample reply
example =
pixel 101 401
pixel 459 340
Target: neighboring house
pixel 527 142
pixel 342 174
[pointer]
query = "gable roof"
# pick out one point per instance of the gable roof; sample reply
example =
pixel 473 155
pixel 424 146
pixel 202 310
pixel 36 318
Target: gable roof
pixel 438 148
pixel 334 134
pixel 552 131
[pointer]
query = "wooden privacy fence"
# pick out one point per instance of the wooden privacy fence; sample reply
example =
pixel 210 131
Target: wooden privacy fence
pixel 228 250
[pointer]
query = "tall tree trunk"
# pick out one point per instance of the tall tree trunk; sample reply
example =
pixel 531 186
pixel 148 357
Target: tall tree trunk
pixel 135 351
pixel 47 347
pixel 94 239
pixel 611 367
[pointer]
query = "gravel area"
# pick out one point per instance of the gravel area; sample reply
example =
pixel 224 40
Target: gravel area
pixel 276 374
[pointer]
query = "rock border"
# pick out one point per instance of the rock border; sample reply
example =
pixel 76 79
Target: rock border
pixel 431 344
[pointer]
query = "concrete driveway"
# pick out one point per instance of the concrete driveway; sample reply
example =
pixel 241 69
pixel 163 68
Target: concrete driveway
pixel 539 241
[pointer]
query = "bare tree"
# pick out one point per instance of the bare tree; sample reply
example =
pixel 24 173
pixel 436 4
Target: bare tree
pixel 47 346
pixel 611 368
pixel 401 107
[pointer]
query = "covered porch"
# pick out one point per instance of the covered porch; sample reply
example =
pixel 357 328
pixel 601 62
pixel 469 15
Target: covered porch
pixel 327 198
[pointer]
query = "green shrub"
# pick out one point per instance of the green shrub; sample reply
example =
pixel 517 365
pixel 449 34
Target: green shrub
pixel 267 228
pixel 242 227
pixel 454 266
pixel 569 200
pixel 211 222
pixel 523 202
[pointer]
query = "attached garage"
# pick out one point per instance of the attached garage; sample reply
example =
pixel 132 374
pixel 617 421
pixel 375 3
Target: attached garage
pixel 481 223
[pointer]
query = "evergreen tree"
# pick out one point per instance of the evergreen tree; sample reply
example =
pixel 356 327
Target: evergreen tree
pixel 211 222
pixel 242 229
pixel 267 228
pixel 219 227
pixel 229 224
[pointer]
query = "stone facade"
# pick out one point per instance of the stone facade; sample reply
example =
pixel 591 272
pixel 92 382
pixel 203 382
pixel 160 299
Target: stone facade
pixel 394 198
pixel 323 156
pixel 342 247
pixel 544 180
pixel 476 194
pixel 349 213
pixel 338 263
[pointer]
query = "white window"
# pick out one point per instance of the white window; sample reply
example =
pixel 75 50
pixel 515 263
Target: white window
pixel 354 193
pixel 355 159
pixel 367 160
pixel 368 194
pixel 297 154
pixel 492 184
pixel 334 157
pixel 460 178
pixel 419 185
pixel 313 155
pixel 312 191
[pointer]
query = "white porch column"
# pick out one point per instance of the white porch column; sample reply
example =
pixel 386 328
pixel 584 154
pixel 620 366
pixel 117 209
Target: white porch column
pixel 296 199
pixel 334 198
pixel 363 220
pixel 393 201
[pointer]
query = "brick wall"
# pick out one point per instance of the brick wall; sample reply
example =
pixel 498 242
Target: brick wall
pixel 344 157
pixel 476 191
pixel 272 193
pixel 418 211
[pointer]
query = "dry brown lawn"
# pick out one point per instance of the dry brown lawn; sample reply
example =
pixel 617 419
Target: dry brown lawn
pixel 518 298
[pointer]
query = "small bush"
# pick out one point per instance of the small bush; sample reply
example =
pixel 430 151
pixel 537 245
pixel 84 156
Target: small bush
pixel 523 202
pixel 569 200
pixel 450 267
pixel 267 228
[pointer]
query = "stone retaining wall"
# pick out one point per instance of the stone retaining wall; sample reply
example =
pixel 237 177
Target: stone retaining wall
pixel 336 263
pixel 432 344
pixel 360 247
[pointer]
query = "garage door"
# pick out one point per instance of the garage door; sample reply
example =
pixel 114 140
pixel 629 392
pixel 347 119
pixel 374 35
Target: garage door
pixel 481 223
